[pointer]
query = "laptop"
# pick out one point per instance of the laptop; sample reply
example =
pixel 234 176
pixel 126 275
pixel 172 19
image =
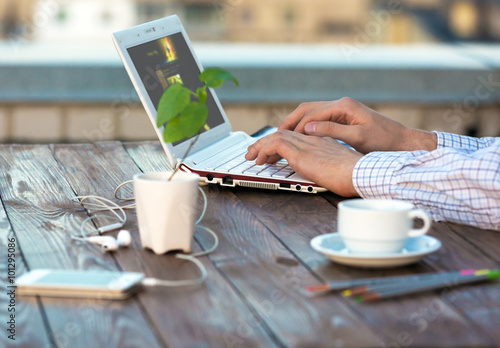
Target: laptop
pixel 157 54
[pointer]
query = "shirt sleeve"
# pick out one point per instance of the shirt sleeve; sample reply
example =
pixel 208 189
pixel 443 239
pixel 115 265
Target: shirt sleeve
pixel 462 141
pixel 454 183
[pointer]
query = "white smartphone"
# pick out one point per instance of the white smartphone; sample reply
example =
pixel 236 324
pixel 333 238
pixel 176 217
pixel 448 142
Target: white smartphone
pixel 71 283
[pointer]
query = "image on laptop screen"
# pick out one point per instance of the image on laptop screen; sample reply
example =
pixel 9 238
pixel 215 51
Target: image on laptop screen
pixel 165 61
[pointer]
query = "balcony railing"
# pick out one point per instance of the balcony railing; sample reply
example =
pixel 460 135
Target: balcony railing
pixel 268 73
pixel 271 76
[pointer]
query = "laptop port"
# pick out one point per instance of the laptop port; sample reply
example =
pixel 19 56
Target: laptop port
pixel 284 185
pixel 210 177
pixel 310 189
pixel 298 187
pixel 227 180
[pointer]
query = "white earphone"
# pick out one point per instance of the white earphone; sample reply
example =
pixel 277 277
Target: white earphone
pixel 108 243
pixel 97 204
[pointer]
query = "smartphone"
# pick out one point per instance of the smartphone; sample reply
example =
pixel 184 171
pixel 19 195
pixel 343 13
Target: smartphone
pixel 89 284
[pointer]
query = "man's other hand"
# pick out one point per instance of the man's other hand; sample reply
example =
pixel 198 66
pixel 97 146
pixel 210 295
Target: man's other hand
pixel 323 161
pixel 359 126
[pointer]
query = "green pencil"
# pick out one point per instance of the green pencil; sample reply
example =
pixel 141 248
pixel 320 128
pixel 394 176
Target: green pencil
pixel 432 284
pixel 451 277
pixel 346 284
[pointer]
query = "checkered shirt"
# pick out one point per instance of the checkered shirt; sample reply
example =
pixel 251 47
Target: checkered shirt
pixel 458 182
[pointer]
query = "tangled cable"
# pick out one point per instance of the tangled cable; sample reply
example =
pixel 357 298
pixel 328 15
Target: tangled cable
pixel 94 204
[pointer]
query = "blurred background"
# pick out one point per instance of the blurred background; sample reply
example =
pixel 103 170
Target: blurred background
pixel 432 64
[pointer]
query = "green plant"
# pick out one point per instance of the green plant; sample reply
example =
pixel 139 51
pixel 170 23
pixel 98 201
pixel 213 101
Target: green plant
pixel 180 115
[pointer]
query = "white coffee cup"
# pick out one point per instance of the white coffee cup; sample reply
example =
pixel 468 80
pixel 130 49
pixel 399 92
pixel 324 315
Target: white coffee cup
pixel 166 210
pixel 379 225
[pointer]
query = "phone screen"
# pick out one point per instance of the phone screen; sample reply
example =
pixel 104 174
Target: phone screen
pixel 70 278
pixel 89 284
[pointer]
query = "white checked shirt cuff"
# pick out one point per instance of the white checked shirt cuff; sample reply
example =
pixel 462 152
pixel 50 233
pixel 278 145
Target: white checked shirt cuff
pixel 373 174
pixel 462 141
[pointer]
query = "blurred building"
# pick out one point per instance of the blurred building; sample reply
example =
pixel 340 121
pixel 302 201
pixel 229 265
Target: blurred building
pixel 457 20
pixel 15 16
pixel 359 23
pixel 289 21
pixel 299 21
pixel 84 20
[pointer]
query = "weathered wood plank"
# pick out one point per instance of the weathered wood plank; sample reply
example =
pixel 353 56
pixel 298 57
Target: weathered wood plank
pixel 267 274
pixel 463 247
pixel 296 218
pixel 148 155
pixel 256 275
pixel 187 316
pixel 487 241
pixel 37 197
pixel 27 313
pixel 480 303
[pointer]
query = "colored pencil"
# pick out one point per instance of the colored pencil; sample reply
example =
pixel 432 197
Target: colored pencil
pixel 342 285
pixel 406 289
pixel 451 277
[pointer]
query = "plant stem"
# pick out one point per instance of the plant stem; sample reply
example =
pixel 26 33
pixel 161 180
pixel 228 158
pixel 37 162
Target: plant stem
pixel 185 155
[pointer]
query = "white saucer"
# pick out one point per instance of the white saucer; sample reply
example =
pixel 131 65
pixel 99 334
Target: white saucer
pixel 332 246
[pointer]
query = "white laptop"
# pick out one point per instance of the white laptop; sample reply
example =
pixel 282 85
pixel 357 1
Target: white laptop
pixel 158 53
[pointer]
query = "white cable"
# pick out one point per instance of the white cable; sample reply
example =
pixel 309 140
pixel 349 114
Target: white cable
pixel 192 258
pixel 162 282
pixel 214 246
pixel 100 207
pixel 204 206
pixel 125 199
pixel 102 230
pixel 103 204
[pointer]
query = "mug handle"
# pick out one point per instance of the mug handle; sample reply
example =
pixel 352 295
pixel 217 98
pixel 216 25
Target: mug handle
pixel 421 214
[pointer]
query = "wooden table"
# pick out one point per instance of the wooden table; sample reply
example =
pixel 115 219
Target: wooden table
pixel 253 293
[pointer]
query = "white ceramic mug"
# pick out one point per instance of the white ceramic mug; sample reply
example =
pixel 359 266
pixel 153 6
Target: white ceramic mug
pixel 166 210
pixel 379 225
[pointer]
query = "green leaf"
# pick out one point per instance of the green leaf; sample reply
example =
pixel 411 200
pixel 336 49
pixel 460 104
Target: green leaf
pixel 193 118
pixel 173 131
pixel 183 118
pixel 215 77
pixel 190 121
pixel 172 102
pixel 202 94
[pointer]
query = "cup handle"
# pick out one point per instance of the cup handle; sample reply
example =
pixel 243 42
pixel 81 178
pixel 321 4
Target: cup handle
pixel 421 214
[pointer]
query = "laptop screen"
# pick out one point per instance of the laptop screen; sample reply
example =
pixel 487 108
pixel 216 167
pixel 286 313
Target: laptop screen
pixel 165 61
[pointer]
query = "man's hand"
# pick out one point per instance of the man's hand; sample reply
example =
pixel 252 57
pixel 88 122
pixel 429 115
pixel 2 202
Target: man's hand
pixel 323 161
pixel 359 126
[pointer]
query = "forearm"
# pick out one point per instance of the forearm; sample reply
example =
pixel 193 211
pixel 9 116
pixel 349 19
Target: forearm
pixel 459 185
pixel 416 139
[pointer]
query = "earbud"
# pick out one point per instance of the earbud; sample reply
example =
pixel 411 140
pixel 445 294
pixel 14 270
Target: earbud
pixel 124 238
pixel 98 204
pixel 109 243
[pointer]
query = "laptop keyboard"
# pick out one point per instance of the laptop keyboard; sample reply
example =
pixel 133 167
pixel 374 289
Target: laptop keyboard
pixel 239 165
